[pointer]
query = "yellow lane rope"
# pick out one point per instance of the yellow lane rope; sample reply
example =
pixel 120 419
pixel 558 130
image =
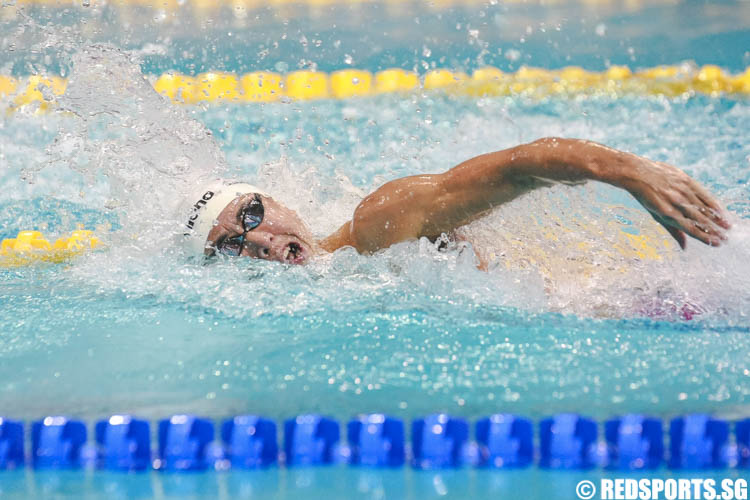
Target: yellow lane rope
pixel 31 247
pixel 263 86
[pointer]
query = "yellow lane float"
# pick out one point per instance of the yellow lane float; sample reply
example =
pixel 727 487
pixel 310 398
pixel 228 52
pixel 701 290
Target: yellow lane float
pixel 444 79
pixel 31 247
pixel 263 86
pixel 217 87
pixel 7 85
pixel 42 90
pixel 350 83
pixel 179 88
pixel 307 85
pixel 395 80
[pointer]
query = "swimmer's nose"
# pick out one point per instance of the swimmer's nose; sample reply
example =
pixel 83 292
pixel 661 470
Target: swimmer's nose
pixel 265 251
pixel 258 245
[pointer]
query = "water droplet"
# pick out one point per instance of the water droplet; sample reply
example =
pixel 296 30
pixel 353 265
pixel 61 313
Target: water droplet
pixel 512 55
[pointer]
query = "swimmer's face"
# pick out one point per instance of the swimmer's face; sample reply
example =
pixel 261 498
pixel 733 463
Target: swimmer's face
pixel 280 236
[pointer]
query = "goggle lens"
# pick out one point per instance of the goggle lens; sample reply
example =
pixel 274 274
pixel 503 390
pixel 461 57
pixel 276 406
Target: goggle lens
pixel 252 215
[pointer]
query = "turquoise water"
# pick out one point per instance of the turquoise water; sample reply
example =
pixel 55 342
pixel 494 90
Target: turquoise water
pixel 407 34
pixel 410 330
pixel 328 482
pixel 554 326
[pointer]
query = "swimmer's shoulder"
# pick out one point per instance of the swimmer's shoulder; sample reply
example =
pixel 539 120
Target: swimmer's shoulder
pixel 340 238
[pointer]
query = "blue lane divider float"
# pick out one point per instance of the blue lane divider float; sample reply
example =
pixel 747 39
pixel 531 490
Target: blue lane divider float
pixel 376 440
pixel 310 440
pixel 439 441
pixel 11 444
pixel 123 443
pixel 698 442
pixel 250 441
pixel 742 431
pixel 184 443
pixel 565 441
pixel 634 442
pixel 505 441
pixel 56 443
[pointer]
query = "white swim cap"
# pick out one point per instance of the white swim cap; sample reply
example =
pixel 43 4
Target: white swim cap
pixel 200 211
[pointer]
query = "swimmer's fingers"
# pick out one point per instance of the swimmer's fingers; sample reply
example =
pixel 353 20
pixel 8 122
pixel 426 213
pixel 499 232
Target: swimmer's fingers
pixel 679 203
pixel 710 206
pixel 673 218
pixel 705 214
pixel 699 218
pixel 705 229
pixel 678 235
pixel 703 199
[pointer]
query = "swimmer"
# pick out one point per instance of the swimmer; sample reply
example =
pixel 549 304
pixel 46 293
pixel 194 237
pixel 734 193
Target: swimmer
pixel 239 219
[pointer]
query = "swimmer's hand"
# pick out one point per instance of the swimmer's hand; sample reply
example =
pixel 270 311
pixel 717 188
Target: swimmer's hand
pixel 674 200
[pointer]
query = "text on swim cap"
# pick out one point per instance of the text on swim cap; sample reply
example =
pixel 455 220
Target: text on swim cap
pixel 198 205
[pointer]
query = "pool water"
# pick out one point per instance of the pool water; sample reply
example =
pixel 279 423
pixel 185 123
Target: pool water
pixel 411 329
pixel 320 482
pixel 570 317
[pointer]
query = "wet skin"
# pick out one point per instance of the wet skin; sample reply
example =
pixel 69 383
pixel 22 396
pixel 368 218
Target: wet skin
pixel 429 205
pixel 281 236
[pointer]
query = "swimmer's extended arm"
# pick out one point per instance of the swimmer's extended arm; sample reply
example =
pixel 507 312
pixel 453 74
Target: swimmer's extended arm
pixel 428 205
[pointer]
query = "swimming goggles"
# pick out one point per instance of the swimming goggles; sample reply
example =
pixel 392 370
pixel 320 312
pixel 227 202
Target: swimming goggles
pixel 251 216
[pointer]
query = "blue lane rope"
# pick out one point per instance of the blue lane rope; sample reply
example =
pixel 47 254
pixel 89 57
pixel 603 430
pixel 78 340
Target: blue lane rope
pixel 565 441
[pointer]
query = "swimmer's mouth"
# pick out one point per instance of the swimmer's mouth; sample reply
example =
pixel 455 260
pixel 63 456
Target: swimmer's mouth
pixel 293 253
